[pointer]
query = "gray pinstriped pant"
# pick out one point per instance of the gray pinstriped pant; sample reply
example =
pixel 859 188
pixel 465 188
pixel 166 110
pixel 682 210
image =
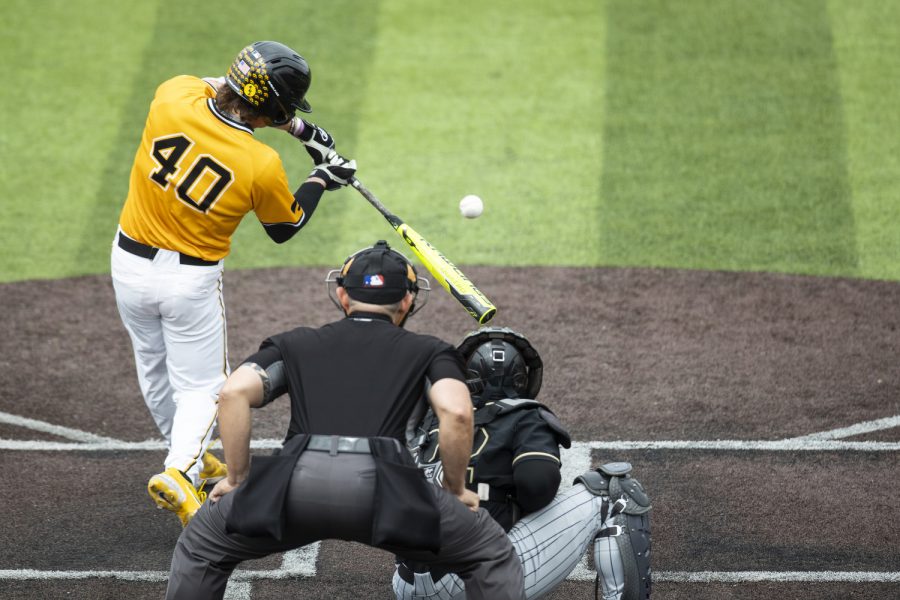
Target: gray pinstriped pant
pixel 549 543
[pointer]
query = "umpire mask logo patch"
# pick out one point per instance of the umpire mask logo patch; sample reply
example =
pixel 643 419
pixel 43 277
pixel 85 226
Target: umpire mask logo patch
pixel 373 281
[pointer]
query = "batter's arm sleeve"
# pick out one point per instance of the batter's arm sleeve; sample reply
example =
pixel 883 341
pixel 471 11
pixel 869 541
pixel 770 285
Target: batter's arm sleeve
pixel 306 199
pixel 281 213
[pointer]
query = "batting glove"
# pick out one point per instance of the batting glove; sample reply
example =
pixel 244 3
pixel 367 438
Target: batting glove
pixel 336 171
pixel 317 141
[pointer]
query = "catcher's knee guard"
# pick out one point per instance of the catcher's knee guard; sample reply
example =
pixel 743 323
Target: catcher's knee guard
pixel 622 545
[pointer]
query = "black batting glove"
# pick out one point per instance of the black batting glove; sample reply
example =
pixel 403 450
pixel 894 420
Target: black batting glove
pixel 317 141
pixel 336 171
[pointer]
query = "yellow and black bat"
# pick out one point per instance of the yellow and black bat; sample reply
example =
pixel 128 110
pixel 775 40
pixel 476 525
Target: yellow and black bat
pixel 448 274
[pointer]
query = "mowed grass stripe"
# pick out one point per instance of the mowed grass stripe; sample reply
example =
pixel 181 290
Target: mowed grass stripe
pixel 500 99
pixel 724 142
pixel 867 46
pixel 74 64
pixel 729 146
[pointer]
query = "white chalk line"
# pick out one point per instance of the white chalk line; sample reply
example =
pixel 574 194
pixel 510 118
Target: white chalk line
pixel 791 445
pixel 238 590
pixel 825 441
pixel 777 576
pixel 857 429
pixel 116 445
pixel 64 432
pixel 148 576
pixel 751 445
pixel 658 576
pixel 302 562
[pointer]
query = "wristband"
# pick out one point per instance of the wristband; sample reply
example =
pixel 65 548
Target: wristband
pixel 297 127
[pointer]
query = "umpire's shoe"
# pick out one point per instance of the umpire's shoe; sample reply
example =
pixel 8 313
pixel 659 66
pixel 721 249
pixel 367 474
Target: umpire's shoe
pixel 173 491
pixel 214 470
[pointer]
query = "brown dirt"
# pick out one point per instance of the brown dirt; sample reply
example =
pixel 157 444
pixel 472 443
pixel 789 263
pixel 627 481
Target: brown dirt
pixel 630 354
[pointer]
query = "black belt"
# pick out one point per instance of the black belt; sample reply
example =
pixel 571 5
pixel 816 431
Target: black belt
pixel 149 252
pixel 334 444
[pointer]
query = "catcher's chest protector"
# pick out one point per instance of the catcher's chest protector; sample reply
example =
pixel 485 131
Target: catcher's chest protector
pixel 622 545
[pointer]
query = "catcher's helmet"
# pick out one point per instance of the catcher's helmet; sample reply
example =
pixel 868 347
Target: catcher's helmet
pixel 378 275
pixel 272 78
pixel 500 364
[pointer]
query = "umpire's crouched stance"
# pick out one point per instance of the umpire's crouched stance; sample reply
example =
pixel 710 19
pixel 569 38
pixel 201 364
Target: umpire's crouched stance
pixel 344 473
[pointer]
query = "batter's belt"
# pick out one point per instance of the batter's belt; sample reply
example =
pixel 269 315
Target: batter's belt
pixel 149 252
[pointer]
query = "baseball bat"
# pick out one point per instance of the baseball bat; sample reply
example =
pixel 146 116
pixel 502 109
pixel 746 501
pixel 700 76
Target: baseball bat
pixel 450 277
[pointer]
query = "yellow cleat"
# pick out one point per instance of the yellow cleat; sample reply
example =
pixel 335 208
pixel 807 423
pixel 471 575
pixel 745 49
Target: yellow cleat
pixel 173 491
pixel 213 469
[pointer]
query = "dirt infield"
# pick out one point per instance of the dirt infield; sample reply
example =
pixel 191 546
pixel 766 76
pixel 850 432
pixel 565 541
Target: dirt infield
pixel 760 412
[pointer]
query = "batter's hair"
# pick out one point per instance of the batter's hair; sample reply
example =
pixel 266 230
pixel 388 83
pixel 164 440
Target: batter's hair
pixel 228 101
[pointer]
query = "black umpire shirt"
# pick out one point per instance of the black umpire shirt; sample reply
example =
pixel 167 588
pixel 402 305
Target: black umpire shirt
pixel 362 376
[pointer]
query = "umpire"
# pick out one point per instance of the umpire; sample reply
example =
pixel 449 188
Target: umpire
pixel 355 386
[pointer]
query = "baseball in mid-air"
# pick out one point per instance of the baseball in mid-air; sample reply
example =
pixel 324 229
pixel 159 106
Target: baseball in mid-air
pixel 471 206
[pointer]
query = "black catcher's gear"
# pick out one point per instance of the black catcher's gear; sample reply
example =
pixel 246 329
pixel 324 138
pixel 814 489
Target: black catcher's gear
pixel 508 434
pixel 622 545
pixel 501 364
pixel 271 78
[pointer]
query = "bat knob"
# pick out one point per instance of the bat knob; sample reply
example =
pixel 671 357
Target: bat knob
pixel 487 316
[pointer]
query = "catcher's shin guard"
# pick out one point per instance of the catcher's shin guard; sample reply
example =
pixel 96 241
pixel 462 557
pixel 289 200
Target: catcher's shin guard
pixel 622 545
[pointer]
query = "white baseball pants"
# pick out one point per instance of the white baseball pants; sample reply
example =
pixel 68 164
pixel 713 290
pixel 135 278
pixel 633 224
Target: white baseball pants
pixel 175 316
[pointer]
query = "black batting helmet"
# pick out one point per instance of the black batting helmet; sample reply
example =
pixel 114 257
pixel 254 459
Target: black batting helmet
pixel 272 78
pixel 500 363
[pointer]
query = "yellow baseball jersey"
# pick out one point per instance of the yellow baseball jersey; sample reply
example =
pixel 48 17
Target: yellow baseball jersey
pixel 197 173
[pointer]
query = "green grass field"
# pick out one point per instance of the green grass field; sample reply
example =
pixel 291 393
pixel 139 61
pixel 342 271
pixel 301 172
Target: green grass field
pixel 703 134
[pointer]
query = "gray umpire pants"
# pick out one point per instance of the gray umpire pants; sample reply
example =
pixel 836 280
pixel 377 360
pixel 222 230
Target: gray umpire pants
pixel 331 497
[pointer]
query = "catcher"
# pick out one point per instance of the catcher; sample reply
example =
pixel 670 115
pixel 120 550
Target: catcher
pixel 515 470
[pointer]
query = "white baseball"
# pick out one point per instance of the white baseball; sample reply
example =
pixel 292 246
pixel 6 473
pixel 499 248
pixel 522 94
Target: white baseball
pixel 471 206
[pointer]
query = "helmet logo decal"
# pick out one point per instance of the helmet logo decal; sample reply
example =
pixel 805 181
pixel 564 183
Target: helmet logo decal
pixel 373 281
pixel 279 76
pixel 498 355
pixel 249 73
